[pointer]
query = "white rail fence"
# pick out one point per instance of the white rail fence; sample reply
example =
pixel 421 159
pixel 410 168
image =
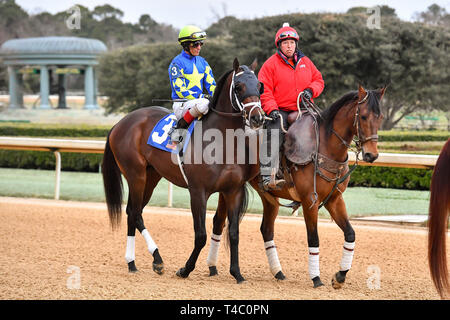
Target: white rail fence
pixel 95 146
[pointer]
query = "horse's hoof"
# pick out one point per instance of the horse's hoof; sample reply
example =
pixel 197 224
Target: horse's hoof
pixel 280 276
pixel 132 267
pixel 158 268
pixel 337 282
pixel 240 279
pixel 182 273
pixel 213 271
pixel 317 282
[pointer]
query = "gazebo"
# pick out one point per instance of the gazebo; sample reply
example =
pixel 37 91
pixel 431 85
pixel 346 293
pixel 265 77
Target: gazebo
pixel 62 55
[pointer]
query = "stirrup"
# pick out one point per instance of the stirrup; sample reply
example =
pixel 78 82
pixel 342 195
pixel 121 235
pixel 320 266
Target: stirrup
pixel 176 135
pixel 269 183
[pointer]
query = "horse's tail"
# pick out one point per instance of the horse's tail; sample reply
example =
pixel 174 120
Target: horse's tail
pixel 242 210
pixel 112 182
pixel 438 221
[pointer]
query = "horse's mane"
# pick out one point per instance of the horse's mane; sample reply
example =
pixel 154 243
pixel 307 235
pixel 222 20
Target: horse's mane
pixel 328 115
pixel 219 87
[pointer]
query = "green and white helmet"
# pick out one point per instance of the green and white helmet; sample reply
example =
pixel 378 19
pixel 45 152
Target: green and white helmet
pixel 191 34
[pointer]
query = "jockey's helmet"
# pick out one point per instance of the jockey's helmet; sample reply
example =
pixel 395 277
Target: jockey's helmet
pixel 286 32
pixel 189 34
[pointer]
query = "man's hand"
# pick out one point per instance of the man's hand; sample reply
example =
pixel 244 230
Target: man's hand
pixel 275 114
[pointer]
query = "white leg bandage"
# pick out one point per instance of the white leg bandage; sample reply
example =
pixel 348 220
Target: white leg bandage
pixel 213 254
pixel 129 255
pixel 313 262
pixel 272 257
pixel 347 255
pixel 150 243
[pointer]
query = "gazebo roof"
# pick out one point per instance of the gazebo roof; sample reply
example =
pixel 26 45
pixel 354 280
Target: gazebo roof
pixel 45 49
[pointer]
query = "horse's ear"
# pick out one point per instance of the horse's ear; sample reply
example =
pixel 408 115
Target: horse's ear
pixel 382 91
pixel 236 65
pixel 254 64
pixel 361 92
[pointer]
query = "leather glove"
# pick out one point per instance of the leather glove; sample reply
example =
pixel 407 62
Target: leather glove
pixel 275 115
pixel 307 93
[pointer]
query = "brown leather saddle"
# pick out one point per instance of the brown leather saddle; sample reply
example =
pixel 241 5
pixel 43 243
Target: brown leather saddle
pixel 300 142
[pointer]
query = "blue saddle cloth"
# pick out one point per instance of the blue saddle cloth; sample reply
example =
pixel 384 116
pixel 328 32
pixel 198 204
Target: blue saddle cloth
pixel 159 137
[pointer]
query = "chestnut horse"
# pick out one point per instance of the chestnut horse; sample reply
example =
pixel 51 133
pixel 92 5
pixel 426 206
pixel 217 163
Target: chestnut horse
pixel 356 114
pixel 236 101
pixel 438 221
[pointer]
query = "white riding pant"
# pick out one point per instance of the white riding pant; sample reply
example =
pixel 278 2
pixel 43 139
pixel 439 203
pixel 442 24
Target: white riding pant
pixel 196 107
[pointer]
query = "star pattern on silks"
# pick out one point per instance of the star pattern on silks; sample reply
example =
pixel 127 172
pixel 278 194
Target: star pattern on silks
pixel 195 78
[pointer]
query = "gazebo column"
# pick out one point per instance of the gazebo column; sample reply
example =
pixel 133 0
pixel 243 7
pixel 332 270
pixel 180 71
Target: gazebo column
pixel 62 91
pixel 20 90
pixel 89 85
pixel 13 88
pixel 44 88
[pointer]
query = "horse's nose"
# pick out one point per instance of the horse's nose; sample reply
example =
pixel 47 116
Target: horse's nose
pixel 256 121
pixel 370 157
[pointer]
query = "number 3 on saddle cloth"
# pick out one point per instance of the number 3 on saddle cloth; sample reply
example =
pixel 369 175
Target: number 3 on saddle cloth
pixel 159 137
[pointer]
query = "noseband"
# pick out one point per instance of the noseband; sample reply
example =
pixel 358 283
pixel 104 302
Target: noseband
pixel 238 105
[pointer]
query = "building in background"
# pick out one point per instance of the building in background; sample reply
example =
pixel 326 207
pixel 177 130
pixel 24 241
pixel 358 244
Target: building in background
pixel 52 55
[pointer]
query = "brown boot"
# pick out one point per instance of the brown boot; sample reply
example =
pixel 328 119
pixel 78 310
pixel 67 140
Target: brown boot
pixel 271 182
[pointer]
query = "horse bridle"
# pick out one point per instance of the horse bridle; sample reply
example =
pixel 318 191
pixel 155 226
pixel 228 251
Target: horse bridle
pixel 241 108
pixel 361 140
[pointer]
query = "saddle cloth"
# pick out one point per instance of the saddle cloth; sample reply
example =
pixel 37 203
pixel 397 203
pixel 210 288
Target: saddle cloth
pixel 300 140
pixel 159 137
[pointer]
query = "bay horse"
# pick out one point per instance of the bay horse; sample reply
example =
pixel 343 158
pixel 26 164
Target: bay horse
pixel 236 102
pixel 355 116
pixel 438 214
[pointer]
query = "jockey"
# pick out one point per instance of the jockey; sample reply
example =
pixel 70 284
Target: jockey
pixel 190 76
pixel 285 74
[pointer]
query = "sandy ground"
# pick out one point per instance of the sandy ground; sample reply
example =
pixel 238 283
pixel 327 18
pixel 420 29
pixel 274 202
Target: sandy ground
pixel 50 247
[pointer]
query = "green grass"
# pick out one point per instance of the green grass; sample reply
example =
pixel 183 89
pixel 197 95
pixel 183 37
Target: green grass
pixel 89 187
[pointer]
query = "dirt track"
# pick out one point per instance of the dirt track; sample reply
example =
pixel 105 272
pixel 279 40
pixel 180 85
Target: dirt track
pixel 41 239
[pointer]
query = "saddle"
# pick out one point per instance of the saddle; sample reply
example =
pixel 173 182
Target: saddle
pixel 300 141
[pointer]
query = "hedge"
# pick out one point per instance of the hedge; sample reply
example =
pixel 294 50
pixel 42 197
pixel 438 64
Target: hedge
pixel 390 177
pixel 38 130
pixel 413 135
pixel 86 162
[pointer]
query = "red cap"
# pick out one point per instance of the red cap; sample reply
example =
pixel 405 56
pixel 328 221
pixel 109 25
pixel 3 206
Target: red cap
pixel 286 32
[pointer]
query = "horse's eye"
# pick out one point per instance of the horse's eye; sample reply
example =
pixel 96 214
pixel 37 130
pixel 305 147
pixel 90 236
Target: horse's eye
pixel 364 118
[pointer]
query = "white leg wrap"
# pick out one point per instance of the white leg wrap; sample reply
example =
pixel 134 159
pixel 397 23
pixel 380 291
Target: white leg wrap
pixel 129 255
pixel 313 262
pixel 272 257
pixel 213 254
pixel 347 255
pixel 150 243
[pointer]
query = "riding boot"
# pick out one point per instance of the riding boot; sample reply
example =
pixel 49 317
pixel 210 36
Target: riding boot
pixel 177 133
pixel 269 162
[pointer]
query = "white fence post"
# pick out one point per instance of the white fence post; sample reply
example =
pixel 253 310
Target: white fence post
pixel 57 174
pixel 170 195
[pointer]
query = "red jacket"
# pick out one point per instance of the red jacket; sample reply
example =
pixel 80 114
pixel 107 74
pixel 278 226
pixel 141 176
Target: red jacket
pixel 283 82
